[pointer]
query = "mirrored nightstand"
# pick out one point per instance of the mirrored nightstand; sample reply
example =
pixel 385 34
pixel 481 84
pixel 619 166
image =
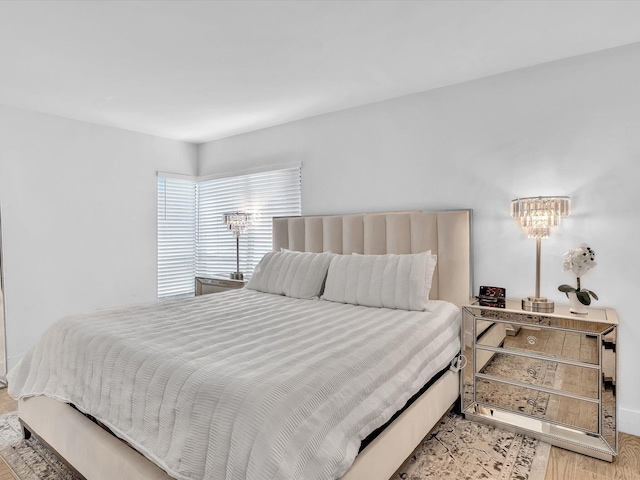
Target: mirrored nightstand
pixel 555 379
pixel 215 284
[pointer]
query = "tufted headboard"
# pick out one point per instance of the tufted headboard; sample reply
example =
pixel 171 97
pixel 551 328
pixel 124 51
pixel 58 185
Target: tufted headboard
pixel 447 234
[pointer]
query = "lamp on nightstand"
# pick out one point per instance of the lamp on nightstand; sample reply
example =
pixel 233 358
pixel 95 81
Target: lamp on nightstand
pixel 237 223
pixel 538 216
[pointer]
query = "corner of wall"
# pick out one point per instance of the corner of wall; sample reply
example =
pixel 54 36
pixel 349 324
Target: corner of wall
pixel 13 360
pixel 197 147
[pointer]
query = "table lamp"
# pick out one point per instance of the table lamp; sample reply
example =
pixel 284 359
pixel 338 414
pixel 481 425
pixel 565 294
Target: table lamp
pixel 237 223
pixel 538 216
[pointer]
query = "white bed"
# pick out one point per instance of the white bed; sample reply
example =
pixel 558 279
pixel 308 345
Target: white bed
pixel 274 357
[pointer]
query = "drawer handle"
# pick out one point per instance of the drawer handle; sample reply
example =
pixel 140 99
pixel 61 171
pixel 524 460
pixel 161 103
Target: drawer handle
pixel 531 339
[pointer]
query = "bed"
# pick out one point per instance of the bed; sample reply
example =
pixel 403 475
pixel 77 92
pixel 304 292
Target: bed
pixel 251 446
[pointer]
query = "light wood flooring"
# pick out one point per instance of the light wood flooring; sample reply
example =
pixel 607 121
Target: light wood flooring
pixel 7 404
pixel 563 465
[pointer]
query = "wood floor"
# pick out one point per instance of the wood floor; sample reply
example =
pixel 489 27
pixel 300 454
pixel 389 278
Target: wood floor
pixel 566 465
pixel 563 465
pixel 7 404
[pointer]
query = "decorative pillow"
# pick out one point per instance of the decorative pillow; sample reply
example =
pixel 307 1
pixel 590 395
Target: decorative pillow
pixel 390 281
pixel 294 274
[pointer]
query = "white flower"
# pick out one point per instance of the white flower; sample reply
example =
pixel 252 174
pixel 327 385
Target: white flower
pixel 579 260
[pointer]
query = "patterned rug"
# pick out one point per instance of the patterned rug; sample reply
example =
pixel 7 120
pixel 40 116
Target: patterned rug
pixel 456 449
pixel 29 459
pixel 462 449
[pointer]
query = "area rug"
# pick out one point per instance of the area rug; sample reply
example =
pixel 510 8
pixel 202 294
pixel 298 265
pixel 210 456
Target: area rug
pixel 462 449
pixel 29 459
pixel 456 449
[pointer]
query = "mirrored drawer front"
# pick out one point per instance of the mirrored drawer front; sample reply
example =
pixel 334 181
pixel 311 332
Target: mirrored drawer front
pixel 572 412
pixel 576 346
pixel 569 378
pixel 534 319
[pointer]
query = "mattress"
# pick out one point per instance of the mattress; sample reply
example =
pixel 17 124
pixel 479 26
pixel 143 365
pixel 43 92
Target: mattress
pixel 242 384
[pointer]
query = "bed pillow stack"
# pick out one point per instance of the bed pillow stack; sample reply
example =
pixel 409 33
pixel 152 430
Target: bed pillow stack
pixel 390 281
pixel 294 274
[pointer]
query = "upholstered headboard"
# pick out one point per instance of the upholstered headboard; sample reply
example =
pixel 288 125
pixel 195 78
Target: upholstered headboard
pixel 447 234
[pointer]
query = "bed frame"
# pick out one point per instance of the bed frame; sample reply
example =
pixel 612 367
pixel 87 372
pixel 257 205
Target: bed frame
pixel 97 455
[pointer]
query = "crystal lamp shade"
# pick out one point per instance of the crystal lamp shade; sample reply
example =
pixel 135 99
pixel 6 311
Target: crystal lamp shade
pixel 237 222
pixel 539 215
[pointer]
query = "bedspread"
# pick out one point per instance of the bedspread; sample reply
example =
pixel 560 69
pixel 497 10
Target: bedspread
pixel 242 384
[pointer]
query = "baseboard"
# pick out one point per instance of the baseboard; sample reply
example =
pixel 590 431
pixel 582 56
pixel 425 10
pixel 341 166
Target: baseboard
pixel 629 421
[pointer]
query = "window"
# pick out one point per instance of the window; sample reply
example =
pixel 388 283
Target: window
pixel 201 231
pixel 176 237
pixel 265 195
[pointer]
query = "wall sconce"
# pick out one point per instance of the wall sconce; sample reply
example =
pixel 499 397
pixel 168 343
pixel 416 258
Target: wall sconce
pixel 538 216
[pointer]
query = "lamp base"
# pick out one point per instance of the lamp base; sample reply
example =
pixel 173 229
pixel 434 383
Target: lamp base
pixel 237 276
pixel 537 304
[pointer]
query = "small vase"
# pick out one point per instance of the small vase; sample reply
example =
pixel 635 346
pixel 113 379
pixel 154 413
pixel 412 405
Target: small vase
pixel 575 306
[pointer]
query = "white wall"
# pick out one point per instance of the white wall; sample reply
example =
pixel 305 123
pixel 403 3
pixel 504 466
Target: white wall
pixel 565 128
pixel 78 207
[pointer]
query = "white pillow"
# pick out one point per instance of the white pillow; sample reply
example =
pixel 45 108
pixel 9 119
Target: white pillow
pixel 294 274
pixel 390 281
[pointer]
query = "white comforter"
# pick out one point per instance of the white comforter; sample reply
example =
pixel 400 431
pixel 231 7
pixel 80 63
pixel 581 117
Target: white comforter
pixel 242 385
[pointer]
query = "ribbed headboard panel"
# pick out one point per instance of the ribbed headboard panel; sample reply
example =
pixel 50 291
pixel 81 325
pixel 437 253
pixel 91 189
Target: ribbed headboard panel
pixel 446 234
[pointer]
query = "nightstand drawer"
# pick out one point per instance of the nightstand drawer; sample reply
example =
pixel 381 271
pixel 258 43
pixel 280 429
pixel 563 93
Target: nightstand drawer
pixel 553 320
pixel 575 379
pixel 553 343
pixel 572 412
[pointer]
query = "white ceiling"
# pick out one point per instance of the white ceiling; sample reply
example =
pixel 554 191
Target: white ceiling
pixel 199 71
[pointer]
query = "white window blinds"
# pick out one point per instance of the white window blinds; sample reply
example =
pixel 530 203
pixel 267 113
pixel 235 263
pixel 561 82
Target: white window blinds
pixel 176 237
pixel 192 238
pixel 264 195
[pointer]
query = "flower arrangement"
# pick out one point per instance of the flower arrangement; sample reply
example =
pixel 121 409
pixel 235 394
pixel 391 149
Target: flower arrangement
pixel 579 260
